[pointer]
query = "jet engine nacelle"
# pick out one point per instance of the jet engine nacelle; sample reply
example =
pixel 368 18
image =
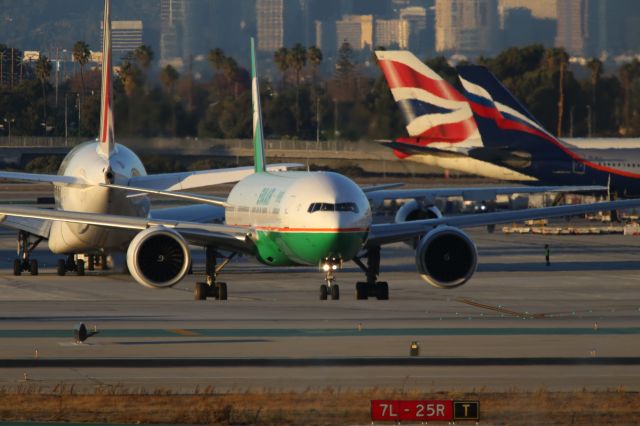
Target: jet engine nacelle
pixel 446 257
pixel 413 210
pixel 158 257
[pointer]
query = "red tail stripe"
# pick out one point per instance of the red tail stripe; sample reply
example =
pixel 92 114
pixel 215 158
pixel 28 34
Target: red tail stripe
pixel 400 75
pixel 107 99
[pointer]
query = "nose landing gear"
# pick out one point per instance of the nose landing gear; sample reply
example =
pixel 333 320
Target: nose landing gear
pixel 330 266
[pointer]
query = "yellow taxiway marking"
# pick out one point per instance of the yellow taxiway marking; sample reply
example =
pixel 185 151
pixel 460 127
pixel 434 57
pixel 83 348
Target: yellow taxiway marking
pixel 183 332
pixel 501 309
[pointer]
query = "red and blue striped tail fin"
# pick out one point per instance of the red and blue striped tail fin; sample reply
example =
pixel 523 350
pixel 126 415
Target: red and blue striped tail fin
pixel 433 109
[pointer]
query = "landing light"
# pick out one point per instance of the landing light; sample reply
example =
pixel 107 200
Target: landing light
pixel 325 267
pixel 334 267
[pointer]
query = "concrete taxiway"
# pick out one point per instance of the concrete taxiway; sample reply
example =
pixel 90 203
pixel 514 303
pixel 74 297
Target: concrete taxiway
pixel 516 324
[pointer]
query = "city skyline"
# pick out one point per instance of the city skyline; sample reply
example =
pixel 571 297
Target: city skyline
pixel 177 30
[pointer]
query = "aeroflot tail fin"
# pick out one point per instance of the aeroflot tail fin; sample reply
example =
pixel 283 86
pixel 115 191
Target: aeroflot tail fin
pixel 106 137
pixel 432 108
pixel 258 133
pixel 492 102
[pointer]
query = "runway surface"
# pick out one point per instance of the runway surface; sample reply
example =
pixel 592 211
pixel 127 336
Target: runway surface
pixel 516 325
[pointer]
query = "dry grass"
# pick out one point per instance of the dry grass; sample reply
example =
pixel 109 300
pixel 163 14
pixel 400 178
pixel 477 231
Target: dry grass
pixel 325 407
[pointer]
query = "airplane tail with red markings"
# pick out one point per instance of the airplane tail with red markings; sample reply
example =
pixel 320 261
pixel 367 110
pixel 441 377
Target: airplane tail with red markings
pixel 433 109
pixel 106 137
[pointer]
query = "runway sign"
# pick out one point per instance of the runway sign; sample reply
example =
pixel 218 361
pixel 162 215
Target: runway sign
pixel 424 411
pixel 390 410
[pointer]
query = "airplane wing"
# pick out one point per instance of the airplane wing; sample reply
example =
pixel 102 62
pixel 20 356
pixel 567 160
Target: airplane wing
pixel 387 233
pixel 367 189
pixel 38 227
pixel 188 180
pixel 37 177
pixel 206 199
pixel 226 237
pixel 475 193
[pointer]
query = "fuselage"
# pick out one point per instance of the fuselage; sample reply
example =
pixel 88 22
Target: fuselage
pixel 543 163
pixel 301 218
pixel 87 162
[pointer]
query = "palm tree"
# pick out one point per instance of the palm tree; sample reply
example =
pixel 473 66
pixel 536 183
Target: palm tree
pixel 217 58
pixel 82 55
pixel 297 59
pixel 557 60
pixel 144 56
pixel 169 76
pixel 281 58
pixel 596 67
pixel 43 71
pixel 628 73
pixel 314 57
pixel 129 75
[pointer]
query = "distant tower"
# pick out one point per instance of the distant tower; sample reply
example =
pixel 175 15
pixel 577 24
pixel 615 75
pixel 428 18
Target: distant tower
pixel 416 17
pixel 126 36
pixel 270 22
pixel 579 26
pixel 174 33
pixel 466 26
pixel 357 30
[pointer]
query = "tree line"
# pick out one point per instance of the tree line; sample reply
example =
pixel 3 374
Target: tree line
pixel 351 102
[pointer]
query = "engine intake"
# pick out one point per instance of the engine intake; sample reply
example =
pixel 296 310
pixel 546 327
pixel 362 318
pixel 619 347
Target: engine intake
pixel 158 257
pixel 413 210
pixel 446 257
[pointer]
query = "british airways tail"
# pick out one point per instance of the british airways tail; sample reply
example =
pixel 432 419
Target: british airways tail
pixel 499 115
pixel 433 110
pixel 106 137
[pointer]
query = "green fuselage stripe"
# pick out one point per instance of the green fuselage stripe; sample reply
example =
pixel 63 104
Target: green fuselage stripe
pixel 280 248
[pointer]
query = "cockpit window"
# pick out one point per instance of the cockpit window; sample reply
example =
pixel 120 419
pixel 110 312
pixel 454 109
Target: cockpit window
pixel 329 207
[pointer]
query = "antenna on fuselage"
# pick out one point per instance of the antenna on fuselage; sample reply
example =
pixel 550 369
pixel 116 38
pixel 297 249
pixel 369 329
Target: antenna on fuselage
pixel 106 137
pixel 258 133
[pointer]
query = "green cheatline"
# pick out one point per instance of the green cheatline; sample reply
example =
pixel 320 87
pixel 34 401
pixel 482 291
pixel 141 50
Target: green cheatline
pixel 327 332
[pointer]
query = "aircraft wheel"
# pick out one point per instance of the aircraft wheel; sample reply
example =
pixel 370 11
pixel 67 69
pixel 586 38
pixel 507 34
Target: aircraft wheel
pixel 62 267
pixel 382 291
pixel 200 291
pixel 335 292
pixel 17 267
pixel 222 291
pixel 323 292
pixel 361 291
pixel 80 267
pixel 33 267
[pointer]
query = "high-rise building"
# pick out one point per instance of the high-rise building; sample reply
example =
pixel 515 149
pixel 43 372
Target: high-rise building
pixel 521 28
pixel 392 33
pixel 466 26
pixel 416 18
pixel 270 24
pixel 325 36
pixel 357 30
pixel 580 27
pixel 540 9
pixel 174 32
pixel 126 36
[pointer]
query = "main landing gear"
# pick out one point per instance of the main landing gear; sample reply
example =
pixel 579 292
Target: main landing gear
pixel 212 288
pixel 70 264
pixel 24 262
pixel 329 266
pixel 371 288
pixel 97 260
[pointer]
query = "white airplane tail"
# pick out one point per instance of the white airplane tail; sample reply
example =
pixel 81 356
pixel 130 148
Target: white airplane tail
pixel 106 137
